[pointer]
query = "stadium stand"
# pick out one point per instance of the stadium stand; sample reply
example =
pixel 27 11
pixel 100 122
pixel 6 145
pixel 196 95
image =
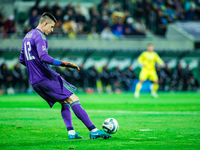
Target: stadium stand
pixel 78 38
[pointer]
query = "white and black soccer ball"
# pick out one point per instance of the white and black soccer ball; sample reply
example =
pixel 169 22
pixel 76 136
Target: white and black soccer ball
pixel 110 126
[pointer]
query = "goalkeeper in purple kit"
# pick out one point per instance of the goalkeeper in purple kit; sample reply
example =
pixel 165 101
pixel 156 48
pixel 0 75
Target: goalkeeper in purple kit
pixel 49 84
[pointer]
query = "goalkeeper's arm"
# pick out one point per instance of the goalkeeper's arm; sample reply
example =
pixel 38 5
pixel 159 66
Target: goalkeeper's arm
pixel 46 58
pixel 65 64
pixel 43 55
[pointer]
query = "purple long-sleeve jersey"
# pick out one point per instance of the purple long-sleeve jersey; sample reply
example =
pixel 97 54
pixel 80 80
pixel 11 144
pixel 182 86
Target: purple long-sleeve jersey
pixel 34 55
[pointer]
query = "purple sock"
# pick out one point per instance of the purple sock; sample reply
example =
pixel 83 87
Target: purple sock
pixel 66 114
pixel 82 115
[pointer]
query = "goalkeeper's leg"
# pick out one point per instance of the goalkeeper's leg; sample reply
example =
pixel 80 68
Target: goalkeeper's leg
pixel 138 88
pixel 66 114
pixel 155 85
pixel 154 89
pixel 142 77
pixel 74 102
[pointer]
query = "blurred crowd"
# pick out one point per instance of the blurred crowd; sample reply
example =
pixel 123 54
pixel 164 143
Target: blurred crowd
pixel 159 13
pixel 7 27
pixel 100 21
pixel 108 21
pixel 179 78
pixel 15 80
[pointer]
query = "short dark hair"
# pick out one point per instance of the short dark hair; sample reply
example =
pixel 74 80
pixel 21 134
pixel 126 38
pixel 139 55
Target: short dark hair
pixel 149 44
pixel 46 15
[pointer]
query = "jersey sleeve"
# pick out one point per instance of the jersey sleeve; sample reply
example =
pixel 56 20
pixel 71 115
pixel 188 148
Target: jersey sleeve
pixel 22 58
pixel 158 59
pixel 141 59
pixel 42 50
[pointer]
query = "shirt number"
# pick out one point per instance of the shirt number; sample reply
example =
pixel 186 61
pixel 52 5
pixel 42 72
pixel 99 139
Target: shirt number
pixel 27 48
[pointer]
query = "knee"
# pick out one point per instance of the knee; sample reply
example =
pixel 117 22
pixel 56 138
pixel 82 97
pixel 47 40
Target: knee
pixel 141 81
pixel 155 82
pixel 72 99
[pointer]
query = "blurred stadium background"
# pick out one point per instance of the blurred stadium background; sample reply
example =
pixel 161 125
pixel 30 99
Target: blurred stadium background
pixel 105 37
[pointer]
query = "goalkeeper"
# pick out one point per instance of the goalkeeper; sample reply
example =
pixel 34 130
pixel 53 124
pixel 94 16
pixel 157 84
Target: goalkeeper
pixel 148 59
pixel 49 84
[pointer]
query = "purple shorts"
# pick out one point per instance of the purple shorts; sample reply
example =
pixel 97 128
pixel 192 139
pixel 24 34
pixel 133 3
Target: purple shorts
pixel 54 90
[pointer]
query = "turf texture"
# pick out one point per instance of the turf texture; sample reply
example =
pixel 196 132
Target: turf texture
pixel 169 122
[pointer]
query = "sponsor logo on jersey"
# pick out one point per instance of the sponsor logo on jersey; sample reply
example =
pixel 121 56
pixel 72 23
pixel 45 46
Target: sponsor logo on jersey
pixel 43 48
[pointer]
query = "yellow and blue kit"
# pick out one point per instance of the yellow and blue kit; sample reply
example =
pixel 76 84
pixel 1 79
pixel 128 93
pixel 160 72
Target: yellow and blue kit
pixel 148 60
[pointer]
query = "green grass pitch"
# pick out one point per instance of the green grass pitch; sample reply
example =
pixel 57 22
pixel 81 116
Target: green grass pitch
pixel 169 122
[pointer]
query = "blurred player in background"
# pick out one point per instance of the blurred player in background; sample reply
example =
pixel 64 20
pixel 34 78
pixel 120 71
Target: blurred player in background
pixel 148 59
pixel 49 84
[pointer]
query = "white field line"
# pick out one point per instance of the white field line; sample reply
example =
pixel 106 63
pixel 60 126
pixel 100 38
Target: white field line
pixel 114 111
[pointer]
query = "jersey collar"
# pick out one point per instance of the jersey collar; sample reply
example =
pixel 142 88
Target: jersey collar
pixel 39 30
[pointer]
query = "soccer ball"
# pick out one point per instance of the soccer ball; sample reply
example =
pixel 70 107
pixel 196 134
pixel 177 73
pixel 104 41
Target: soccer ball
pixel 110 126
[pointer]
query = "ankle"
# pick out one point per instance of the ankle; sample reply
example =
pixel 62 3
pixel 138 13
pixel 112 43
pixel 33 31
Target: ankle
pixel 94 130
pixel 72 132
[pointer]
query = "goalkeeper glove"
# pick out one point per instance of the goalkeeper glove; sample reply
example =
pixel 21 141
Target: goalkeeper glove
pixel 69 65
